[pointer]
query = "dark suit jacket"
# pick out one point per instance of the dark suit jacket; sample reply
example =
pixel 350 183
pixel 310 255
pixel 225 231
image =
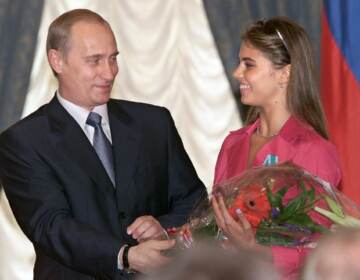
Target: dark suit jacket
pixel 64 201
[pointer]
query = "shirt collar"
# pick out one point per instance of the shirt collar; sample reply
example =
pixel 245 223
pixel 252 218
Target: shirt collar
pixel 103 112
pixel 252 127
pixel 80 114
pixel 292 129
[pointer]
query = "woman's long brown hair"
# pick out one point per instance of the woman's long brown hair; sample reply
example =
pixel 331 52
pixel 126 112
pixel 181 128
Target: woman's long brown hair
pixel 284 42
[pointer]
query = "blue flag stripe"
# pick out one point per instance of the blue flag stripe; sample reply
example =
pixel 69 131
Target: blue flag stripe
pixel 344 21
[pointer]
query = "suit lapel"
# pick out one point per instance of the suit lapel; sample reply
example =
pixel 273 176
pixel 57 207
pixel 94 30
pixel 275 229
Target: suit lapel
pixel 126 147
pixel 69 137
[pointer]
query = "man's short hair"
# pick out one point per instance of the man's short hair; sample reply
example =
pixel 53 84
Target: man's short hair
pixel 59 29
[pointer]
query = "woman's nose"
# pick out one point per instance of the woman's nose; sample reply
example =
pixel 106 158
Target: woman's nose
pixel 238 73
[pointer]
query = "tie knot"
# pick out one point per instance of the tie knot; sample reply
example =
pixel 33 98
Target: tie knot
pixel 94 119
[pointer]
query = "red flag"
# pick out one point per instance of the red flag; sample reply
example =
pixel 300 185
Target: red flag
pixel 340 86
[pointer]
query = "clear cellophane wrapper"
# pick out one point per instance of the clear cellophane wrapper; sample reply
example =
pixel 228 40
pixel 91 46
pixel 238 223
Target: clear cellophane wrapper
pixel 284 204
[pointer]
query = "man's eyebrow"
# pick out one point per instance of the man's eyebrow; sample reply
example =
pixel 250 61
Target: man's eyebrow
pixel 94 56
pixel 98 56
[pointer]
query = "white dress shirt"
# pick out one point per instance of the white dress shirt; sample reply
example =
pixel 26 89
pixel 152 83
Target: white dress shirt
pixel 80 115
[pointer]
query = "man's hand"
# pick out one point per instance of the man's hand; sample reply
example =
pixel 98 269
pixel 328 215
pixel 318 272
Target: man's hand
pixel 147 255
pixel 145 228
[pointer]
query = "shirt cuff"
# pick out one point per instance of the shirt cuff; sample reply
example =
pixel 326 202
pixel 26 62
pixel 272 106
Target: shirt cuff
pixel 120 264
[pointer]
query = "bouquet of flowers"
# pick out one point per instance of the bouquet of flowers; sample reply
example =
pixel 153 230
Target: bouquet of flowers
pixel 285 206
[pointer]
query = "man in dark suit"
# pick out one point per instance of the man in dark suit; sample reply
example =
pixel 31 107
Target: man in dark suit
pixel 92 181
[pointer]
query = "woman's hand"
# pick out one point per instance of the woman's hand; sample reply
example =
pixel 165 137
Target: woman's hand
pixel 239 231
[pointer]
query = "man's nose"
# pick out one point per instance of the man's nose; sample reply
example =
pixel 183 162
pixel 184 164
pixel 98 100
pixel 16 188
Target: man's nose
pixel 109 71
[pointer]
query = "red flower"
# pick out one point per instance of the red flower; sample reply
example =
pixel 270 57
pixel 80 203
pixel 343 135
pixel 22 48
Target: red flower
pixel 253 203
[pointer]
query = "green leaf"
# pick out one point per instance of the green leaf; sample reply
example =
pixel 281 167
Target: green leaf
pixel 311 197
pixel 271 198
pixel 294 206
pixel 304 220
pixel 346 220
pixel 275 199
pixel 335 207
pixel 301 219
pixel 352 221
pixel 273 234
pixel 274 239
pixel 268 233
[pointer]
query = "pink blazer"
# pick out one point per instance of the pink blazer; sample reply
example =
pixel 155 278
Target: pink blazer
pixel 296 142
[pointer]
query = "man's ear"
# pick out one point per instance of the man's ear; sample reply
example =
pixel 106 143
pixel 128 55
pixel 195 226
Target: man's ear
pixel 56 62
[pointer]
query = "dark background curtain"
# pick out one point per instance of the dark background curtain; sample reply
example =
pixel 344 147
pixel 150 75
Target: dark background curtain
pixel 19 24
pixel 229 18
pixel 20 19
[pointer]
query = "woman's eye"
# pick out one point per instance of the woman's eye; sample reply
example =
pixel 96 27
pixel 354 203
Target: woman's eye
pixel 249 65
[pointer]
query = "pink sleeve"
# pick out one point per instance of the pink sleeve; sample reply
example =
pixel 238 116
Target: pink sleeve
pixel 328 167
pixel 321 159
pixel 221 166
pixel 288 261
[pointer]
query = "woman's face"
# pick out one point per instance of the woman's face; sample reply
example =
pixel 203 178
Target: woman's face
pixel 260 83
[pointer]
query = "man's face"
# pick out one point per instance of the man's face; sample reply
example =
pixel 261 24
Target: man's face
pixel 89 66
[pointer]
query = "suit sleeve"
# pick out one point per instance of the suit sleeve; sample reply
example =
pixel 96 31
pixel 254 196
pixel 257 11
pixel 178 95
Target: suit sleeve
pixel 42 210
pixel 184 186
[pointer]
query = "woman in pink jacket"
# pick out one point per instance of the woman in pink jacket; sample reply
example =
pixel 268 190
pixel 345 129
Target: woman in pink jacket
pixel 285 123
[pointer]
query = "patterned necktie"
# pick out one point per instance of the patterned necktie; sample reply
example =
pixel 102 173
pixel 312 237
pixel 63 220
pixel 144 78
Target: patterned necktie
pixel 102 145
